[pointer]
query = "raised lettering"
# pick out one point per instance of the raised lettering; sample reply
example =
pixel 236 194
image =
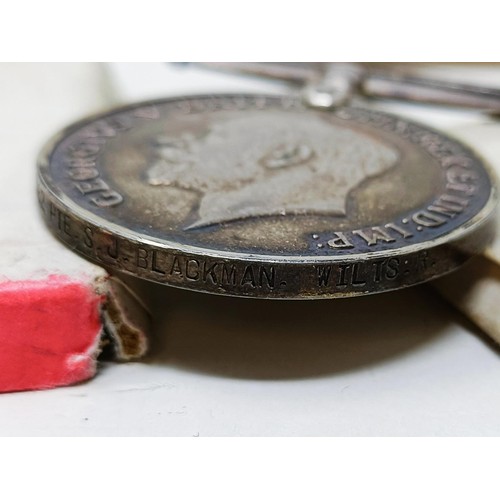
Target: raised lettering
pixel 83 173
pixel 107 199
pixel 400 230
pixel 448 205
pixel 340 241
pixel 460 179
pixel 374 236
pixel 91 187
pixel 428 219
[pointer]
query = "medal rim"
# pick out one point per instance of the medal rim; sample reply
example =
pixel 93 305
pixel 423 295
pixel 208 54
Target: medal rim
pixel 74 210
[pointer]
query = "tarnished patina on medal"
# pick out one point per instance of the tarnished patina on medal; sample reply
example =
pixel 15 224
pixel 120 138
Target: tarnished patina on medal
pixel 263 197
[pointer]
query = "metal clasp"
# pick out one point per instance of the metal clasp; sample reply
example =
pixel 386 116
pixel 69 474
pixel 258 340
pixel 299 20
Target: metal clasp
pixel 327 85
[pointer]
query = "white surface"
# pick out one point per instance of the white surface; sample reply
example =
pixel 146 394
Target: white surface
pixel 394 364
pixel 402 363
pixel 36 101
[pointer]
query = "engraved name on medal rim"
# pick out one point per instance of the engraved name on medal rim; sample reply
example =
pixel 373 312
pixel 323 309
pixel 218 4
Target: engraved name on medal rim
pixel 427 241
